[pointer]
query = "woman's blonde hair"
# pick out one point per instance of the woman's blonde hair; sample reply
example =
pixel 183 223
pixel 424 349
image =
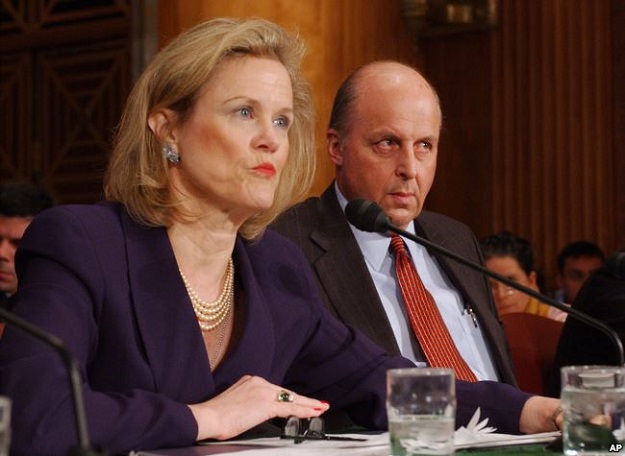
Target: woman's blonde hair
pixel 137 175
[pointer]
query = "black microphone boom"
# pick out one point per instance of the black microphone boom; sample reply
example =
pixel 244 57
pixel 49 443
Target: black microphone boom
pixel 368 216
pixel 84 447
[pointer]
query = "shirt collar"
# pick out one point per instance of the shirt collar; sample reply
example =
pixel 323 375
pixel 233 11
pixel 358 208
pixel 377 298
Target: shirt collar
pixel 374 246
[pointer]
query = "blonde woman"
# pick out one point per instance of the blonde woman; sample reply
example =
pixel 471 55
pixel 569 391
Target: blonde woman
pixel 188 320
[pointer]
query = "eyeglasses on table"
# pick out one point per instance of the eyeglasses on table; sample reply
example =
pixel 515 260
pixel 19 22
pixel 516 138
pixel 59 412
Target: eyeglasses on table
pixel 300 429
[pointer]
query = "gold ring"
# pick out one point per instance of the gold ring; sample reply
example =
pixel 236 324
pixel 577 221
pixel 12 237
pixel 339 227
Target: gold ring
pixel 285 396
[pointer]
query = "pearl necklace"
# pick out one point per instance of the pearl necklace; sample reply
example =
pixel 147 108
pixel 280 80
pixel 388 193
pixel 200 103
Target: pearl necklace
pixel 212 314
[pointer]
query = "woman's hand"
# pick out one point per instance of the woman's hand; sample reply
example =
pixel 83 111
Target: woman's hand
pixel 247 403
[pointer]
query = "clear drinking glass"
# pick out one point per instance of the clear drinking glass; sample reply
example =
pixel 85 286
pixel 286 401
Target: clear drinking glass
pixel 5 425
pixel 593 403
pixel 421 406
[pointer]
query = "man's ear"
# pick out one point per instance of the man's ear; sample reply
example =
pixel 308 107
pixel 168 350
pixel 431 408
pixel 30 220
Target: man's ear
pixel 533 279
pixel 162 122
pixel 333 145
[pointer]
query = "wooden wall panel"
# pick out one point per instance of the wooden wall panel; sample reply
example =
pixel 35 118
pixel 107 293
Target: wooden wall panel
pixel 552 149
pixel 16 104
pixel 459 68
pixel 64 76
pixel 618 131
pixel 84 86
pixel 340 35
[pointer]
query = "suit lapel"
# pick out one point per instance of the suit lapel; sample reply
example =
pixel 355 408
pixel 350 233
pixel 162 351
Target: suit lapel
pixel 345 277
pixel 470 290
pixel 172 340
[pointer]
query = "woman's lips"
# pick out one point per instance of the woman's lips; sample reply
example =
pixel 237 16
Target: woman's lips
pixel 266 169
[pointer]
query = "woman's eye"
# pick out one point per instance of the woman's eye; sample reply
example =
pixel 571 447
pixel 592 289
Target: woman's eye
pixel 282 121
pixel 245 112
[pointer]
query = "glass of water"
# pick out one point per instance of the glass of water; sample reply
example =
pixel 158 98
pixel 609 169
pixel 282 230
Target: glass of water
pixel 421 406
pixel 593 403
pixel 5 425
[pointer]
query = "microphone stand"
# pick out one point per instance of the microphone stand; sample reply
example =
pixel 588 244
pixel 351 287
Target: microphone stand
pixel 591 321
pixel 84 446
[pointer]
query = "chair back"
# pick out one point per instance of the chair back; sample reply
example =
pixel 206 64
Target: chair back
pixel 533 341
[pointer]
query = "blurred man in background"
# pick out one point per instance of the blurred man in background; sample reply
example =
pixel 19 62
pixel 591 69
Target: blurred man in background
pixel 512 256
pixel 19 203
pixel 576 262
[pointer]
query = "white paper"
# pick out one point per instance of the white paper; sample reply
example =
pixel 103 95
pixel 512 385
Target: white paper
pixel 376 444
pixel 373 445
pixel 477 434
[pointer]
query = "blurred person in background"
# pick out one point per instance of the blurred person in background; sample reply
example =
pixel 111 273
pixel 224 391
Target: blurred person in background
pixel 576 262
pixel 602 296
pixel 512 257
pixel 19 203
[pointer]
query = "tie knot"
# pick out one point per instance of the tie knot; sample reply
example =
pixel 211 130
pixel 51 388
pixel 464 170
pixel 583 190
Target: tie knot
pixel 397 244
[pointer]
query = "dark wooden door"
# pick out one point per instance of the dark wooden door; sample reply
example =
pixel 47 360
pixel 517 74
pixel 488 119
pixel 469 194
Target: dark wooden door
pixel 65 70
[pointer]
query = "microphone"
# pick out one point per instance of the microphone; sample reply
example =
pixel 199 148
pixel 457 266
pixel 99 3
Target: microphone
pixel 368 216
pixel 84 447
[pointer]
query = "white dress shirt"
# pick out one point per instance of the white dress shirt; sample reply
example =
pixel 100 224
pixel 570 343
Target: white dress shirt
pixel 464 330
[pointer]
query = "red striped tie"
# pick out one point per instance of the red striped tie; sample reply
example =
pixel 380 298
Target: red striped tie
pixel 425 318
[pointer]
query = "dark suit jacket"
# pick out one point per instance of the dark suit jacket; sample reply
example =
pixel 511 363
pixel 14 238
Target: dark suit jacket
pixel 111 290
pixel 4 300
pixel 320 228
pixel 601 297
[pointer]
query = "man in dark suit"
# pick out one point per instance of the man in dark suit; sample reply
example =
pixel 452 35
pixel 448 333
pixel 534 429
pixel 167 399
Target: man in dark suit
pixel 383 139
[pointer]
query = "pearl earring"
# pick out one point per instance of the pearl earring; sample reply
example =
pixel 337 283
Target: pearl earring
pixel 170 154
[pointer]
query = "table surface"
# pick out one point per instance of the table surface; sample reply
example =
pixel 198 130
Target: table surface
pixel 225 448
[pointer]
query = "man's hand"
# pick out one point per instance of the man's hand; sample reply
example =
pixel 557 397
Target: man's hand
pixel 540 414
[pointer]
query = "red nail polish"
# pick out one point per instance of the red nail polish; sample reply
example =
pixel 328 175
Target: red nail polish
pixel 318 409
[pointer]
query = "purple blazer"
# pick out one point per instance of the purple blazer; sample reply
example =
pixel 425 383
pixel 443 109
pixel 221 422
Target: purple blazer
pixel 111 290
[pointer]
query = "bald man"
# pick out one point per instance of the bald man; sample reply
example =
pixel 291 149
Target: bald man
pixel 383 140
